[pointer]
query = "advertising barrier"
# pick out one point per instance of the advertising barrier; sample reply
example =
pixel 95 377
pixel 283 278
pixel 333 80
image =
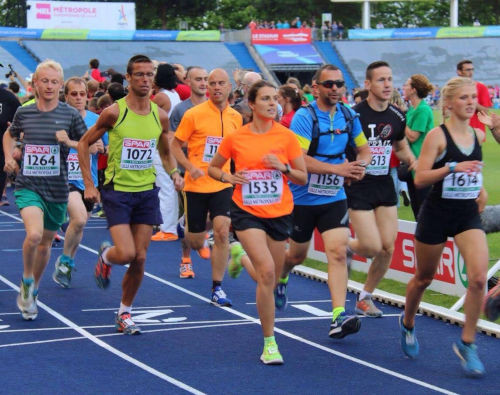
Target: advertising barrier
pixel 450 279
pixel 424 32
pixel 281 36
pixel 80 15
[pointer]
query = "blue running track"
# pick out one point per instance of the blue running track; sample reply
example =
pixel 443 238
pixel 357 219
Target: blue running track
pixel 188 345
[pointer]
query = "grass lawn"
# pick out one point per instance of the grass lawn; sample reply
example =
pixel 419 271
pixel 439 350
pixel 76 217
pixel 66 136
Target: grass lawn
pixel 491 174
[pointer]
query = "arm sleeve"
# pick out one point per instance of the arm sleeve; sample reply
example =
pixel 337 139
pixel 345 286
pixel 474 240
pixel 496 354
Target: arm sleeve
pixel 357 137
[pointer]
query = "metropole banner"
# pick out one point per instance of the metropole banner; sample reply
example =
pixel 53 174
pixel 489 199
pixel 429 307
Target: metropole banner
pixel 80 15
pixel 281 36
pixel 451 275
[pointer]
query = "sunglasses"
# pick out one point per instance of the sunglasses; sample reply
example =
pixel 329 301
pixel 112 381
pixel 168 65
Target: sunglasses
pixel 329 83
pixel 75 94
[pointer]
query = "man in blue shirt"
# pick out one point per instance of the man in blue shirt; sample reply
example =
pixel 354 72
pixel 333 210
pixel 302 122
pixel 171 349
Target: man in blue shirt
pixel 322 202
pixel 75 91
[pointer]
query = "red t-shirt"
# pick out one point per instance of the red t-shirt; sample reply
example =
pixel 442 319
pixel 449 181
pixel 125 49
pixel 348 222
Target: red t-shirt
pixel 184 91
pixel 286 119
pixel 483 98
pixel 96 75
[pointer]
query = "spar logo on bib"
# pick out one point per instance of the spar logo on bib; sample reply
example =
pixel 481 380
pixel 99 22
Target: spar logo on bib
pixel 142 144
pixel 262 175
pixel 38 149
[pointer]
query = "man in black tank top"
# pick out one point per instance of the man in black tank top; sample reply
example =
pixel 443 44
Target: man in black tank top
pixel 373 200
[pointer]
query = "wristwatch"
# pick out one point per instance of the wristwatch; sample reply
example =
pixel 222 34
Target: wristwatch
pixel 452 166
pixel 288 169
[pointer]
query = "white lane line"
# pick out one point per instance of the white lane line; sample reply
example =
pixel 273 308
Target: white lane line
pixel 107 347
pixel 257 321
pixel 304 301
pixel 136 309
pixel 305 341
pixel 312 310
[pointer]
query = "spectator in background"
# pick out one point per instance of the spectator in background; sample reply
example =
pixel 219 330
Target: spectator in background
pixel 286 25
pixel 290 101
pixel 103 102
pixel 465 68
pixel 93 87
pixel 340 28
pixel 182 88
pixel 476 22
pixel 116 91
pixel 379 25
pixel 360 95
pixel 334 30
pixel 252 25
pixel 92 106
pixel 419 121
pixel 95 72
pixel 250 78
pixel 308 93
pixel 326 31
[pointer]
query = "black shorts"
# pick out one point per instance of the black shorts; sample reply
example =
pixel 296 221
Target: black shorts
pixel 198 205
pixel 372 193
pixel 276 228
pixel 88 205
pixel 131 207
pixel 437 221
pixel 324 217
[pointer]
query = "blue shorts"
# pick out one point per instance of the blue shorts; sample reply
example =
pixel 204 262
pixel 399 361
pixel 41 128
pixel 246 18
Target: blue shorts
pixel 131 207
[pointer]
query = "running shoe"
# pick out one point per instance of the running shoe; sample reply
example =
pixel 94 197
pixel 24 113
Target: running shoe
pixel 280 298
pixel 219 297
pixel 235 267
pixel 4 201
pixel 344 325
pixel 366 307
pixel 204 252
pixel 409 342
pixel 102 271
pixel 186 270
pixel 492 303
pixel 26 301
pixel 164 236
pixel 406 199
pixel 470 361
pixel 57 239
pixel 62 273
pixel 271 355
pixel 125 325
pixel 210 238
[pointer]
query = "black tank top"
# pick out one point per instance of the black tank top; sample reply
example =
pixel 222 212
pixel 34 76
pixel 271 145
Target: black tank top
pixel 453 154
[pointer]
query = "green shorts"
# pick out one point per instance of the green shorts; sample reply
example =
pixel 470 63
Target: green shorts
pixel 54 214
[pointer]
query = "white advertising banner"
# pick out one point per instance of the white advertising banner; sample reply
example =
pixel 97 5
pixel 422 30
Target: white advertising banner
pixel 80 15
pixel 450 278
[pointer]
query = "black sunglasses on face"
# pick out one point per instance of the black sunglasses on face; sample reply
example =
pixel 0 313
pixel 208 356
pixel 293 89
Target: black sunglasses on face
pixel 329 83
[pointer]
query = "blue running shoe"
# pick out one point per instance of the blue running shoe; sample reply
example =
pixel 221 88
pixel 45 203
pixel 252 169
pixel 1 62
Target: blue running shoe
pixel 280 298
pixel 409 342
pixel 471 363
pixel 344 325
pixel 219 297
pixel 102 271
pixel 62 272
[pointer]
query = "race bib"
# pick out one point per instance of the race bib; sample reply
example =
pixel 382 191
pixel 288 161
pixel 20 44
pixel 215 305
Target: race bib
pixel 41 160
pixel 325 184
pixel 381 156
pixel 137 154
pixel 264 187
pixel 462 185
pixel 211 147
pixel 74 172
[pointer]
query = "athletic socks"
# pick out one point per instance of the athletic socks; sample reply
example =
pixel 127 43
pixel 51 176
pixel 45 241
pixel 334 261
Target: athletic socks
pixel 124 309
pixel 363 294
pixel 336 312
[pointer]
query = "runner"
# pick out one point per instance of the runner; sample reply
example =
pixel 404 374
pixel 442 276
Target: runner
pixel 450 161
pixel 322 203
pixel 166 98
pixel 197 80
pixel 202 129
pixel 49 129
pixel 266 155
pixel 372 201
pixel 136 128
pixel 75 93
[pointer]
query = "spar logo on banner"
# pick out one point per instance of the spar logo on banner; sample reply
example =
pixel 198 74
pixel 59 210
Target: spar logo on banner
pixel 281 36
pixel 42 10
pixel 451 275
